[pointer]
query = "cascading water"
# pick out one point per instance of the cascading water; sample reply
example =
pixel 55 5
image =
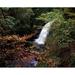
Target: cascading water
pixel 43 34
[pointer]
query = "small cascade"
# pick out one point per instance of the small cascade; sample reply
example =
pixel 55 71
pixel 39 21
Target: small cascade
pixel 43 34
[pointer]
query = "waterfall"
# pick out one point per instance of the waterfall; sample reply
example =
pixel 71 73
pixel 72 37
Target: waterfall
pixel 43 34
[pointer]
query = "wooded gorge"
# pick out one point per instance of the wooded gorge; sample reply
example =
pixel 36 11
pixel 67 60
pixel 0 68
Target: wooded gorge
pixel 19 27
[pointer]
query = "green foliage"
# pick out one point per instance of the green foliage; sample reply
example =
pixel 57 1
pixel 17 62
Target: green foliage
pixel 54 14
pixel 7 25
pixel 62 31
pixel 23 16
pixel 39 11
pixel 21 13
pixel 16 20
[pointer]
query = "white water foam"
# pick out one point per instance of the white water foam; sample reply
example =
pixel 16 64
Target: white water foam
pixel 43 34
